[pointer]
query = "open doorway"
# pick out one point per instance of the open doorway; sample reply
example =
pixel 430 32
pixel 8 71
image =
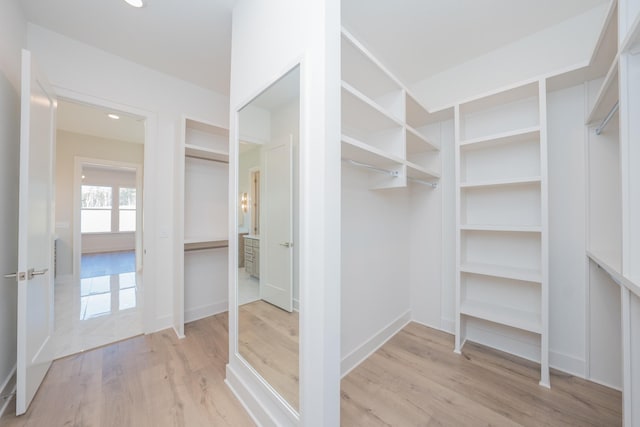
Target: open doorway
pixel 99 176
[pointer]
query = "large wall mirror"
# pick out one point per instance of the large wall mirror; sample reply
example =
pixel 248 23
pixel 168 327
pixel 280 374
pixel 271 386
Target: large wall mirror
pixel 267 286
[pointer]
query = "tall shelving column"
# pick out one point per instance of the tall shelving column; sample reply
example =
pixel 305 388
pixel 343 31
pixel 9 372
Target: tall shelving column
pixel 201 223
pixel 502 226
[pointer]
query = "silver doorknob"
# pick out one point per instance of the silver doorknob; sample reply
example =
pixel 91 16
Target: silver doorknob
pixel 286 244
pixel 33 272
pixel 20 275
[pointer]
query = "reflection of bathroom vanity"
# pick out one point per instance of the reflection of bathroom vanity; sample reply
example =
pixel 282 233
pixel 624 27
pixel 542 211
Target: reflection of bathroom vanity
pixel 252 255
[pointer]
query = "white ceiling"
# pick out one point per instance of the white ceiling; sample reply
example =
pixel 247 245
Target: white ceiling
pixel 89 120
pixel 417 39
pixel 191 39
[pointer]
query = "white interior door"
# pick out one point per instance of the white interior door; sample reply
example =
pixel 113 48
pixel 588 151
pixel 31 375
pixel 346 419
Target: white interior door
pixel 276 226
pixel 35 233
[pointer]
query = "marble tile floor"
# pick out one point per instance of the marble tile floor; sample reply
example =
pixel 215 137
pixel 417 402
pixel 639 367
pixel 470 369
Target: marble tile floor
pixel 98 310
pixel 248 288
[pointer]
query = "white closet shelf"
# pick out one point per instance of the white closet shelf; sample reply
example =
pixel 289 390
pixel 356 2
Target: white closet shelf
pixel 503 228
pixel 607 95
pixel 353 149
pixel 631 42
pixel 632 284
pixel 514 318
pixel 418 172
pixel 358 62
pixel 205 153
pixel 417 143
pixel 214 244
pixel 514 136
pixel 364 113
pixel 206 127
pixel 523 274
pixel 502 97
pixel 501 182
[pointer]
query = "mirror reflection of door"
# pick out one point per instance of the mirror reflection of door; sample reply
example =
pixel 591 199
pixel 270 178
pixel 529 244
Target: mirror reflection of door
pixel 267 288
pixel 277 238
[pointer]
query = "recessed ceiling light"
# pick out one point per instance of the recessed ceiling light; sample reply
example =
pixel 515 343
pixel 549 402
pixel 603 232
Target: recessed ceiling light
pixel 135 3
pixel 113 116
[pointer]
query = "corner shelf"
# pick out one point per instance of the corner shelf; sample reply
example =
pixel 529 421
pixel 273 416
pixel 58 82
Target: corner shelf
pixel 523 274
pixel 384 127
pixel 197 152
pixel 502 182
pixel 607 95
pixel 509 137
pixel 202 244
pixel 417 143
pixel 503 228
pixel 524 320
pixel 631 42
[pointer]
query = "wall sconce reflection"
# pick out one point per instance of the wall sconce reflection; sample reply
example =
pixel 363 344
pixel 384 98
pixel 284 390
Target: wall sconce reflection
pixel 244 202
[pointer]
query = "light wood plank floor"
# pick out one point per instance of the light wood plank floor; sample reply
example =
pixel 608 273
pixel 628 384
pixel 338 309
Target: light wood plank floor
pixel 155 380
pixel 415 379
pixel 268 340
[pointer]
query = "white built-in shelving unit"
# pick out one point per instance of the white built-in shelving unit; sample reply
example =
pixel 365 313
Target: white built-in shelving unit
pixel 383 125
pixel 613 207
pixel 502 237
pixel 202 173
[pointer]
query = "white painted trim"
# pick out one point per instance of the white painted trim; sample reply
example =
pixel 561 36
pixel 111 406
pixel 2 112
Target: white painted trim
pixel 567 363
pixel 162 323
pixel 206 310
pixel 296 304
pixel 64 278
pixel 366 349
pixel 450 324
pixel 263 403
pixel 8 387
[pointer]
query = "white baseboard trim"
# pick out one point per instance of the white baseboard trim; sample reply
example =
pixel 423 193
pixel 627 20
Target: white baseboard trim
pixel 442 327
pixel 448 326
pixel 162 323
pixel 8 388
pixel 357 356
pixel 262 404
pixel 566 363
pixel 605 384
pixel 296 305
pixel 197 313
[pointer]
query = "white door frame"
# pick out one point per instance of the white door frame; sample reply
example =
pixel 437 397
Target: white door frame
pixel 78 164
pixel 149 194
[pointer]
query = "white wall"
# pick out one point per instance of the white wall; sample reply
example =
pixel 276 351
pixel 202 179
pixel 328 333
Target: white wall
pixel 79 68
pixel 268 39
pixel 432 240
pixel 566 45
pixel 375 247
pixel 68 146
pixel 12 39
pixel 567 229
